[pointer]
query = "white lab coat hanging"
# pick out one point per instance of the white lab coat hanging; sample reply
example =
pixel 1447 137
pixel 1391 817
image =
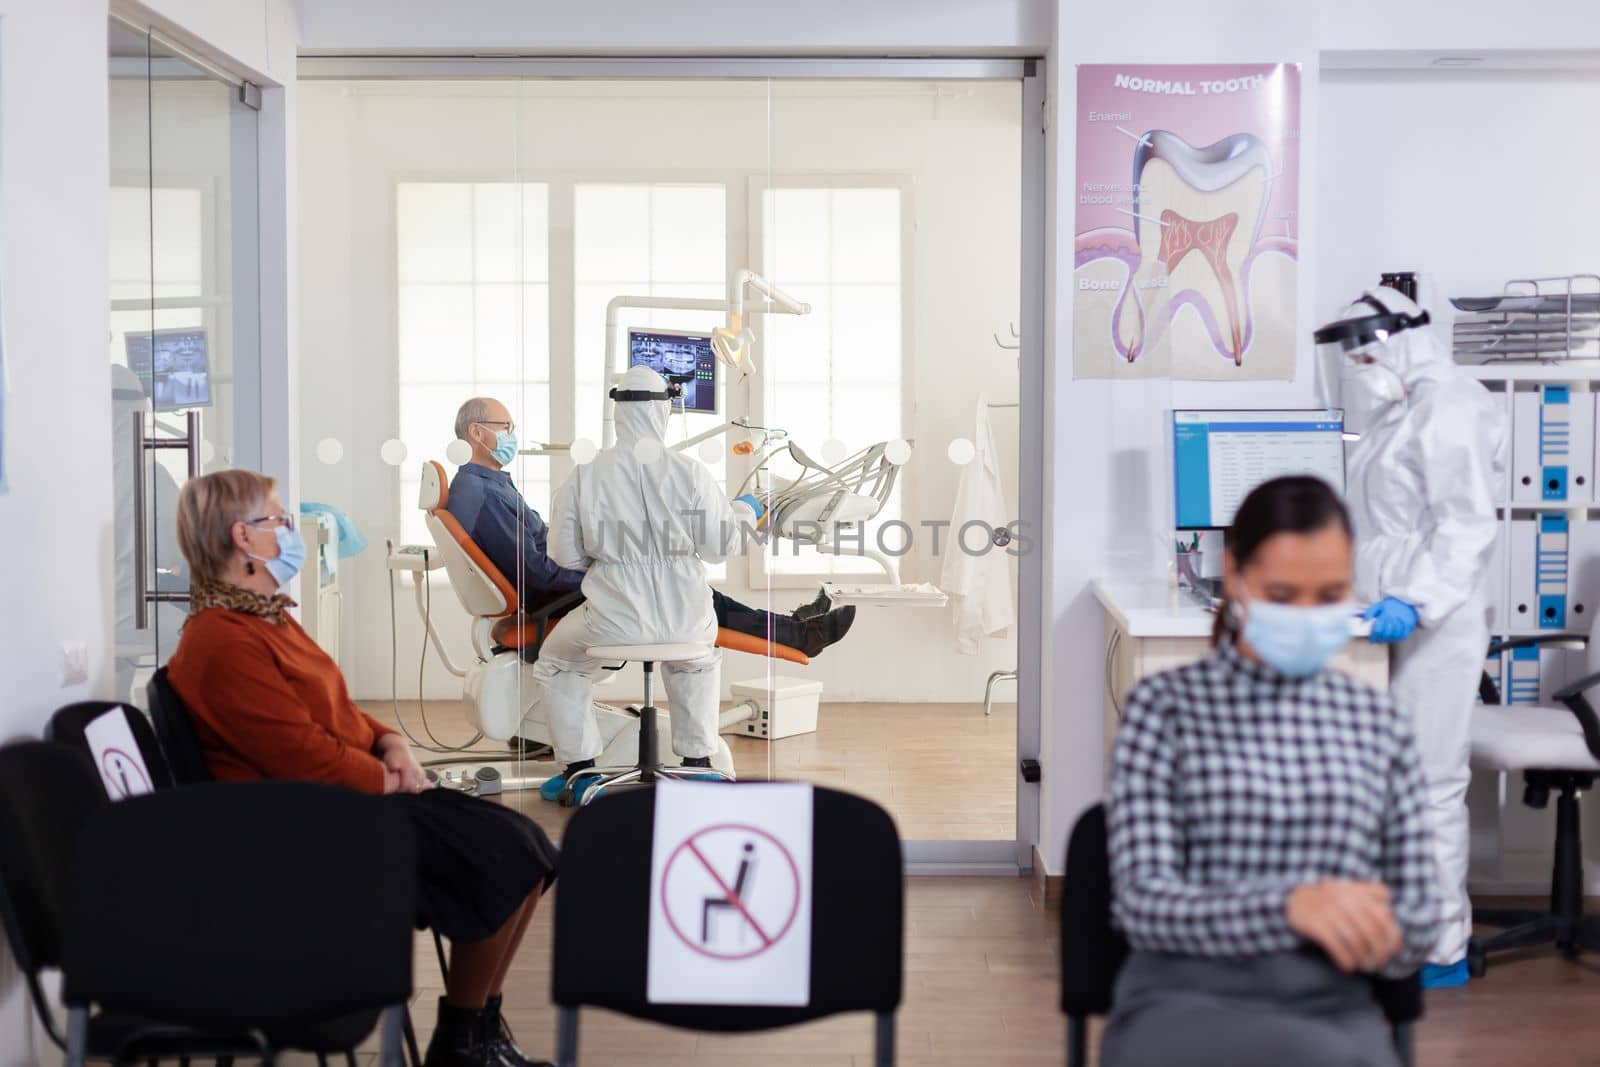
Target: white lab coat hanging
pixel 977 576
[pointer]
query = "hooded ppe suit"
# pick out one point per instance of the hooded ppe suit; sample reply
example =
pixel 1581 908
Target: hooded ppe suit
pixel 1424 480
pixel 641 522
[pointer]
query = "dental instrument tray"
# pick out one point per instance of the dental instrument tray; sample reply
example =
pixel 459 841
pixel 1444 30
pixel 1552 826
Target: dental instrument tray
pixel 1534 319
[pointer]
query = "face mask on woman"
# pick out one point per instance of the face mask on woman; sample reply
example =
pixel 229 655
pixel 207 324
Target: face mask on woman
pixel 1293 640
pixel 290 558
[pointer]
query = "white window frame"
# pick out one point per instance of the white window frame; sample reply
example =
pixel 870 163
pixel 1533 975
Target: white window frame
pixel 762 575
pixel 398 505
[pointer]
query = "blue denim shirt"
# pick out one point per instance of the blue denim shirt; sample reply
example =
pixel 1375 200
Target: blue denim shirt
pixel 494 515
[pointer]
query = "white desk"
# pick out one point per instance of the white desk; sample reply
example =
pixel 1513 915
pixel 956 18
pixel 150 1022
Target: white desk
pixel 1152 627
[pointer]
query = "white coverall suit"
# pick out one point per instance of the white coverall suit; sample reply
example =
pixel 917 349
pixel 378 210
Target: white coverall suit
pixel 1424 481
pixel 640 530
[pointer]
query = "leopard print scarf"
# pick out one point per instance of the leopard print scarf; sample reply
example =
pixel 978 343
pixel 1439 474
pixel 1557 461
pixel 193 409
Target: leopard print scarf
pixel 204 594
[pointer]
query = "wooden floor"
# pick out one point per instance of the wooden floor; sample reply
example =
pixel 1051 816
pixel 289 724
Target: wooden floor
pixel 981 970
pixel 980 988
pixel 944 771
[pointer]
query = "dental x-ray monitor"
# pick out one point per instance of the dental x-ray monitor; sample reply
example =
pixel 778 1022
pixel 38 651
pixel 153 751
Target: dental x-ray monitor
pixel 685 358
pixel 1219 456
pixel 172 366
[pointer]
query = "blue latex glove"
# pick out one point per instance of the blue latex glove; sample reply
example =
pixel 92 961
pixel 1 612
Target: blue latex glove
pixel 755 505
pixel 1392 620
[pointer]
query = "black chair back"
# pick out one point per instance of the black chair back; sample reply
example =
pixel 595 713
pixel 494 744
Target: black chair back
pixel 857 927
pixel 1092 951
pixel 69 725
pixel 262 905
pixel 176 731
pixel 47 794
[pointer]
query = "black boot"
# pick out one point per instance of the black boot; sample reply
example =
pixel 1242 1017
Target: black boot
pixel 502 1046
pixel 458 1039
pixel 828 630
pixel 697 761
pixel 816 609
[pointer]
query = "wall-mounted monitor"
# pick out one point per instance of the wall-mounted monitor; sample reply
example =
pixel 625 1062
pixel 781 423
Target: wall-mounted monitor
pixel 681 357
pixel 173 367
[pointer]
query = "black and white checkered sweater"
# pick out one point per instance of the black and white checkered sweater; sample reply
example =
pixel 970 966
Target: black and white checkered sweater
pixel 1231 784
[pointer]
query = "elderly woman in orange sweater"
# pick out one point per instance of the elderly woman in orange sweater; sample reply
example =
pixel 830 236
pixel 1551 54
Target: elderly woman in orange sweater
pixel 267 702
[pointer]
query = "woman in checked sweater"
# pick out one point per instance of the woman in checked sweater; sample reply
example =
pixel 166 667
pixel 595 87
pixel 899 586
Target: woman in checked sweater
pixel 1268 849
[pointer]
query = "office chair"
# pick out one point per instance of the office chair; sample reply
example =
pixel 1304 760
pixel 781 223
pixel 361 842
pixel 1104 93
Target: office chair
pixel 69 726
pixel 279 910
pixel 602 920
pixel 1556 749
pixel 175 728
pixel 1093 951
pixel 48 793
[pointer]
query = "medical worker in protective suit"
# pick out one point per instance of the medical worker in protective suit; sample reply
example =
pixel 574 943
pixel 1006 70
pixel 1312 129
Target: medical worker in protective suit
pixel 641 522
pixel 1423 481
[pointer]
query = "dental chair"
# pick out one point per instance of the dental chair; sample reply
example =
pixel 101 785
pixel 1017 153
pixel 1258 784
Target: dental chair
pixel 505 644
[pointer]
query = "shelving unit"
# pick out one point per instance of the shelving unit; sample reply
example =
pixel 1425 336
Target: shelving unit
pixel 1507 379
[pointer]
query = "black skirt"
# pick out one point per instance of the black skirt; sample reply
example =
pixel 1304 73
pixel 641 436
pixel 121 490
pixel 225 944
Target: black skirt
pixel 477 862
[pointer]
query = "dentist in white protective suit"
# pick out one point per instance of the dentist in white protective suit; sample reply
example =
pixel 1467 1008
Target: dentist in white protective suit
pixel 1423 483
pixel 641 522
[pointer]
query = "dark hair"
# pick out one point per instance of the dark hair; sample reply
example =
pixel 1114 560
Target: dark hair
pixel 1298 504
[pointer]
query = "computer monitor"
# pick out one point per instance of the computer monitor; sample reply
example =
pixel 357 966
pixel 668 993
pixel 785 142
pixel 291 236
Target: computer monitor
pixel 172 366
pixel 1219 456
pixel 685 357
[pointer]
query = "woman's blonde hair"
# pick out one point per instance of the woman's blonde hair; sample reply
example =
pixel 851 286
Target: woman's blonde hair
pixel 208 506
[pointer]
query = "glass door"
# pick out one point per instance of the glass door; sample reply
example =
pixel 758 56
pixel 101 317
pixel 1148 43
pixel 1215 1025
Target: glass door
pixel 184 341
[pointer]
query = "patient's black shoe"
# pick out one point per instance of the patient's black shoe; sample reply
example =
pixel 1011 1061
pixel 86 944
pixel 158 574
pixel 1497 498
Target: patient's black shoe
pixel 814 610
pixel 502 1045
pixel 828 630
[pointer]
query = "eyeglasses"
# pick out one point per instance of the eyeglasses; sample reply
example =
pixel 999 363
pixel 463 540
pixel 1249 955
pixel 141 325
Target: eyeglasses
pixel 511 427
pixel 275 520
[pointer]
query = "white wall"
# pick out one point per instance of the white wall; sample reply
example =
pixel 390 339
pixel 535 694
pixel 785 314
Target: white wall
pixel 55 518
pixel 613 27
pixel 357 138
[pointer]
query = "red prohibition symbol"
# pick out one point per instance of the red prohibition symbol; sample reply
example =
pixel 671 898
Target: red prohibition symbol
pixel 688 858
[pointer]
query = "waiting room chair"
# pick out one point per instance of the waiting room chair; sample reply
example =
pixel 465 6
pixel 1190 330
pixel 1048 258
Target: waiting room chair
pixel 1093 950
pixel 182 749
pixel 1556 749
pixel 48 793
pixel 175 730
pixel 280 910
pixel 602 920
pixel 69 726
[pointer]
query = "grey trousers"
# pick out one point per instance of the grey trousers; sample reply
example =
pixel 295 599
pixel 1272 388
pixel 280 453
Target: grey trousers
pixel 1267 1011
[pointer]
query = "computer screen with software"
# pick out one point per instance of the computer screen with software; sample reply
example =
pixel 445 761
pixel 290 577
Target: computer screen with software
pixel 678 355
pixel 1219 456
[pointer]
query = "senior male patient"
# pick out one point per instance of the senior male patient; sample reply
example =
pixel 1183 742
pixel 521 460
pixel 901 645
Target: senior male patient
pixel 514 537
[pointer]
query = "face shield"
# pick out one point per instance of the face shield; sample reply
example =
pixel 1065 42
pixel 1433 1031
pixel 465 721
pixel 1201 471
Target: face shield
pixel 1354 350
pixel 1367 327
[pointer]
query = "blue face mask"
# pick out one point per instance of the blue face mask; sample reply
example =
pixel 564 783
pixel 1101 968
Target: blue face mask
pixel 290 558
pixel 1294 640
pixel 505 448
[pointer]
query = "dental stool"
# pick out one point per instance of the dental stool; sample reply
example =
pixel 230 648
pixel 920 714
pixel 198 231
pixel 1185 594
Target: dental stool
pixel 649 767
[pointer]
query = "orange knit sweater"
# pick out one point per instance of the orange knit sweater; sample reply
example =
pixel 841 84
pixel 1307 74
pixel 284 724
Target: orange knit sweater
pixel 267 702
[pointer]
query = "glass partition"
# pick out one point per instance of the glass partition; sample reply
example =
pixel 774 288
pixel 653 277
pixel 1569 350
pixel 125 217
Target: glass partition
pixel 184 345
pixel 524 240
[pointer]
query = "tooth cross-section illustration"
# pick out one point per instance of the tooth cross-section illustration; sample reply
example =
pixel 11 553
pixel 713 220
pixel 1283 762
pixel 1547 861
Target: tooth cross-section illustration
pixel 1208 201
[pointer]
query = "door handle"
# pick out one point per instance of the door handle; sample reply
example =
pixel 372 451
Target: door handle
pixel 190 444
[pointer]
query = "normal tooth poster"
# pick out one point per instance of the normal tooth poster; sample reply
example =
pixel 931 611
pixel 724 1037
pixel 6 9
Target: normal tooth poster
pixel 1188 198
